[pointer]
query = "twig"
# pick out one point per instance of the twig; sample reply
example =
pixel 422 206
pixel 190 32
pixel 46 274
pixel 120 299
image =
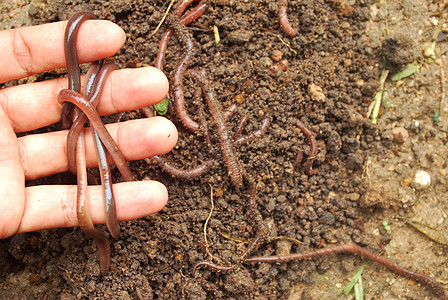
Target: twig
pixel 206 222
pixel 293 240
pixel 162 20
pixel 286 44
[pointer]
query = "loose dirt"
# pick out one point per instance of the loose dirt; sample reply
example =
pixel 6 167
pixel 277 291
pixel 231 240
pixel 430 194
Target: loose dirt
pixel 366 172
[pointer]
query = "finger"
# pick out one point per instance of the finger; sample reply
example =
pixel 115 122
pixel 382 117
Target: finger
pixel 45 154
pixel 54 206
pixel 33 106
pixel 12 180
pixel 30 50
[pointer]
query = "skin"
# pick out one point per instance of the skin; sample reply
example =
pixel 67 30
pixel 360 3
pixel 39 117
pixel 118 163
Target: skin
pixel 30 50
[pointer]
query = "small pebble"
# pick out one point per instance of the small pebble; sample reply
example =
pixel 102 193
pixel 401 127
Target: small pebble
pixel 316 92
pixel 276 55
pixel 400 135
pixel 282 65
pixel 422 178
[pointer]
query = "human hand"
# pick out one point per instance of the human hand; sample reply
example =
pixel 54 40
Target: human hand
pixel 30 50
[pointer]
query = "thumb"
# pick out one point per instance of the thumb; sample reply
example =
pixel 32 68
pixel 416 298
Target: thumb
pixel 12 179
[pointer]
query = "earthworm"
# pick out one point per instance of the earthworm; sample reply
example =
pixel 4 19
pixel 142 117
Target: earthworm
pixel 308 165
pixel 260 132
pixel 71 58
pixel 359 251
pixel 95 80
pixel 240 127
pixel 253 246
pixel 82 212
pixel 97 87
pixel 283 19
pixel 178 86
pixel 76 157
pixel 179 173
pixel 230 111
pixel 66 95
pixel 185 20
pixel 212 266
pixel 106 182
pixel 208 138
pixel 227 148
pixel 298 159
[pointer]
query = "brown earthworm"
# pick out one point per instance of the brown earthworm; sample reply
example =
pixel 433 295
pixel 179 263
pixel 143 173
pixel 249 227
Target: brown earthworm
pixel 283 19
pixel 359 251
pixel 95 80
pixel 100 80
pixel 106 182
pixel 230 111
pixel 179 173
pixel 240 127
pixel 185 20
pixel 84 218
pixel 227 148
pixel 213 266
pixel 70 114
pixel 308 165
pixel 66 95
pixel 256 134
pixel 178 86
pixel 71 58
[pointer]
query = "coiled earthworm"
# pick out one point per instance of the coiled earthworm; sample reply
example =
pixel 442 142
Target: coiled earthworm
pixel 96 122
pixel 359 251
pixel 71 115
pixel 97 87
pixel 283 19
pixel 71 58
pixel 308 165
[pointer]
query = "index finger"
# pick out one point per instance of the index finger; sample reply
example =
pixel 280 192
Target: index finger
pixel 30 50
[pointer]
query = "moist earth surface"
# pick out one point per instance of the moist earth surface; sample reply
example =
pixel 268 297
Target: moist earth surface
pixel 368 189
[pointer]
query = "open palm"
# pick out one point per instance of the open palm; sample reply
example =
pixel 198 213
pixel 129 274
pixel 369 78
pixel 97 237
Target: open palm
pixel 30 50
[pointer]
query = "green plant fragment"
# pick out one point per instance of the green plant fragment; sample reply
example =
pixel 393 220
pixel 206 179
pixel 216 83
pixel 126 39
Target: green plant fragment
pixel 352 282
pixel 162 107
pixel 358 290
pixel 408 71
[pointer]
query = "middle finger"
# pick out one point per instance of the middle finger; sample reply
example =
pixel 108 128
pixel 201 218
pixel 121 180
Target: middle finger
pixel 45 154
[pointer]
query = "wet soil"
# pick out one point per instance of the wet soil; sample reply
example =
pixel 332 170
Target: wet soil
pixel 366 173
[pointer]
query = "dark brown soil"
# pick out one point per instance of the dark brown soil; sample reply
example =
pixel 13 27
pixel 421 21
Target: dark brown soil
pixel 337 51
